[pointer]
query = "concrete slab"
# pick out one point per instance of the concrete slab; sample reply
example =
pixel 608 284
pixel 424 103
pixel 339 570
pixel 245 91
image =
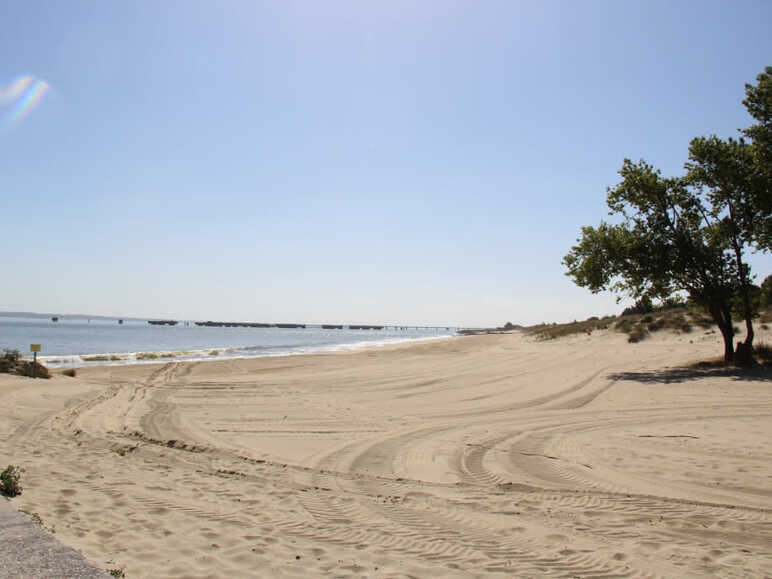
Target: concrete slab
pixel 27 551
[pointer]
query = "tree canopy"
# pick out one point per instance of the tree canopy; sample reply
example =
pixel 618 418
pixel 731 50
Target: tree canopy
pixel 758 103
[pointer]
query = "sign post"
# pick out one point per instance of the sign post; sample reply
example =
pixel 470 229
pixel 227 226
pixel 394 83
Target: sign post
pixel 34 348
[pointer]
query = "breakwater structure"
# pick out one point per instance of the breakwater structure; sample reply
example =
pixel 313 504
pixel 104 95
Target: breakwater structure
pixel 212 324
pixel 247 325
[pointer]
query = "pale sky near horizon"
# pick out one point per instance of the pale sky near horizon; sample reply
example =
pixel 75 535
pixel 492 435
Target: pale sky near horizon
pixel 372 162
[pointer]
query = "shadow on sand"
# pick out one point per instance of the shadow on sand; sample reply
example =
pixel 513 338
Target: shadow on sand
pixel 675 375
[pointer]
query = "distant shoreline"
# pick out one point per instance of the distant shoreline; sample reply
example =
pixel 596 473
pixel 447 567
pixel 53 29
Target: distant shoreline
pixel 162 320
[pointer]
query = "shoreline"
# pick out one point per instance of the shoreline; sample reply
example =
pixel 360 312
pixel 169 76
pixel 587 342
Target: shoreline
pixel 490 455
pixel 78 361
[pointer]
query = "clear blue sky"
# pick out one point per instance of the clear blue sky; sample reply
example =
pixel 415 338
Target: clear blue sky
pixel 414 162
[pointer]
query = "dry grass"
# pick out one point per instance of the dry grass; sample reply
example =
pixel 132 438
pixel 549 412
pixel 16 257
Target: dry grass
pixel 680 320
pixel 637 334
pixel 554 331
pixel 637 326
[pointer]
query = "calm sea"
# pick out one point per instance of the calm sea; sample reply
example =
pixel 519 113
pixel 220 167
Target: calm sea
pixel 80 342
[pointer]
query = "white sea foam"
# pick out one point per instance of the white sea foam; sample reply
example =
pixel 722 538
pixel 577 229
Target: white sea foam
pixel 219 353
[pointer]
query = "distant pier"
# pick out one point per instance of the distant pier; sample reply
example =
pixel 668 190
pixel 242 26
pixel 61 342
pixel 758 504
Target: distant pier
pixel 247 325
pixel 212 324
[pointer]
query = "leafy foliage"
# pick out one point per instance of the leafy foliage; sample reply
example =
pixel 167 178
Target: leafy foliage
pixel 758 103
pixel 765 292
pixel 646 306
pixel 659 248
pixel 11 362
pixel 10 481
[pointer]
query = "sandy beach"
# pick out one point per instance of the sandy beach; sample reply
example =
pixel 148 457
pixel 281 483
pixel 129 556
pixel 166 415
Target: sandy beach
pixel 494 455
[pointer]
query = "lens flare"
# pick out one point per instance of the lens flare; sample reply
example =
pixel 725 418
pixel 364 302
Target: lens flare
pixel 20 97
pixel 13 90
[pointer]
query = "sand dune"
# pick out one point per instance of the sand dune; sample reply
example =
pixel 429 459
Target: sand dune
pixel 473 456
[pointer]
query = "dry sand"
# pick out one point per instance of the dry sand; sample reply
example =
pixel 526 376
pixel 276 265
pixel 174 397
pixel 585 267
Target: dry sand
pixel 473 456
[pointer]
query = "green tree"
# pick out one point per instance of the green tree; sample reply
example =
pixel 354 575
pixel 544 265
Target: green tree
pixel 663 245
pixel 689 234
pixel 735 177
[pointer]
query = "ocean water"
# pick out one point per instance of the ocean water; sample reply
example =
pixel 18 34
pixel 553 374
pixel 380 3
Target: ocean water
pixel 80 342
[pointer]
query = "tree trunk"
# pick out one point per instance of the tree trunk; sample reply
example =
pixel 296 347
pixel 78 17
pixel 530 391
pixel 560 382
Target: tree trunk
pixel 747 310
pixel 723 318
pixel 728 334
pixel 743 356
